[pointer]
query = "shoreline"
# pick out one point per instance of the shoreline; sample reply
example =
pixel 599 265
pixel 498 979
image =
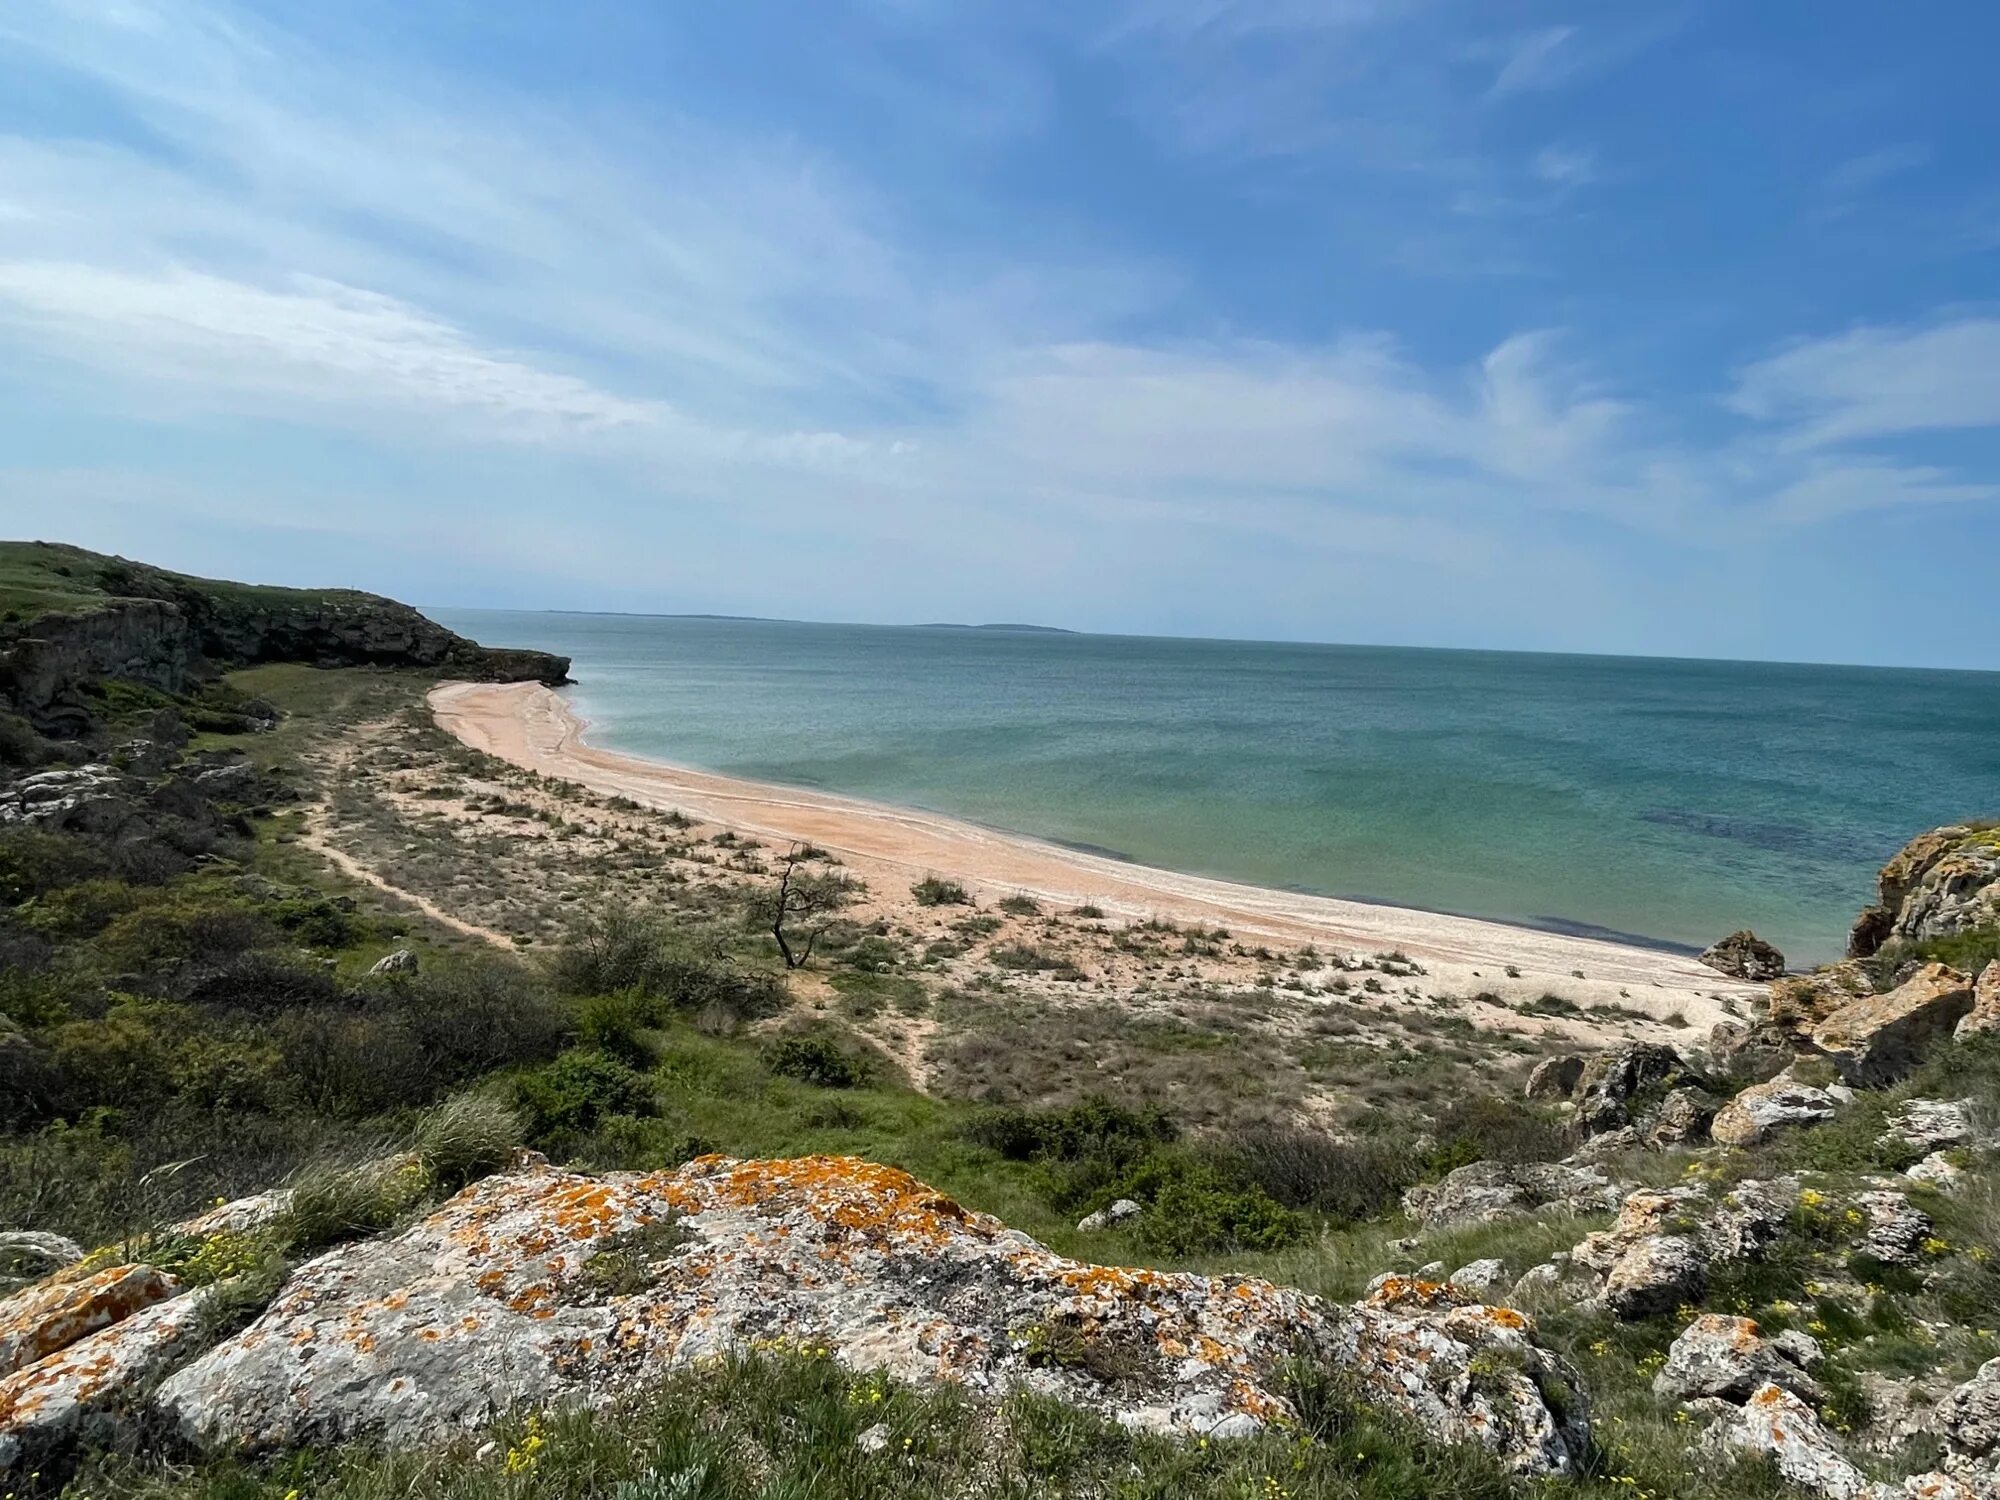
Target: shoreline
pixel 535 728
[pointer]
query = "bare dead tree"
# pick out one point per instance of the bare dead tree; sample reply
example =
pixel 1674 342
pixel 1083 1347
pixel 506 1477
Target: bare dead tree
pixel 804 898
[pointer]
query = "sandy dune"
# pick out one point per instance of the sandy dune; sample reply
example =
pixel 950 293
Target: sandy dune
pixel 533 727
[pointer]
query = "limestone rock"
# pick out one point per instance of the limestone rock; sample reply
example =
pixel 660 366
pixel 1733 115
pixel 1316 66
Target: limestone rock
pixel 51 1315
pixel 1484 1191
pixel 1749 1219
pixel 1765 1108
pixel 1969 1418
pixel 1610 1079
pixel 1718 1355
pixel 1744 955
pixel 1480 1276
pixel 1876 1040
pixel 36 1253
pixel 53 1402
pixel 1775 1422
pixel 1684 1117
pixel 1937 1170
pixel 1801 1002
pixel 1117 1213
pixel 1930 1124
pixel 1754 1052
pixel 1602 1148
pixel 402 961
pixel 540 1287
pixel 1555 1077
pixel 1655 1275
pixel 1985 1012
pixel 1643 1213
pixel 1941 882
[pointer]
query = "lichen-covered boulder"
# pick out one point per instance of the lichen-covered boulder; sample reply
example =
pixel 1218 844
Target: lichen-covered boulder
pixel 1776 1422
pixel 1729 1357
pixel 1763 1109
pixel 541 1287
pixel 1484 1191
pixel 30 1254
pixel 1744 955
pixel 1896 1228
pixel 1555 1077
pixel 1656 1274
pixel 50 1315
pixel 55 1401
pixel 1876 1040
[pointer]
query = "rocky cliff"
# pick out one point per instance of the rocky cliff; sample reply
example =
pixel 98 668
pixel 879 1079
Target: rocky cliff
pixel 1941 882
pixel 81 617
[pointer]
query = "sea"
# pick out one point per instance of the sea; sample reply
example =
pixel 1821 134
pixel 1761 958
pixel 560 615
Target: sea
pixel 1661 800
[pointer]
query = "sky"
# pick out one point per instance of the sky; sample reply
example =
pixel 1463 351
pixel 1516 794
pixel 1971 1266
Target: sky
pixel 1664 328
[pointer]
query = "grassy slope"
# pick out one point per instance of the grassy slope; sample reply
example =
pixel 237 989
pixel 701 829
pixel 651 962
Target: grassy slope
pixel 39 577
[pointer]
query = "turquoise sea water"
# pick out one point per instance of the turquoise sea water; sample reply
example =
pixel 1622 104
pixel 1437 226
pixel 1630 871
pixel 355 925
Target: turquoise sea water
pixel 1670 800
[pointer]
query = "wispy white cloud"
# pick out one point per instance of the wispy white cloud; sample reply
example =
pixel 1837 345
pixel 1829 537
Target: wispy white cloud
pixel 1878 382
pixel 1541 59
pixel 1863 173
pixel 1566 166
pixel 313 339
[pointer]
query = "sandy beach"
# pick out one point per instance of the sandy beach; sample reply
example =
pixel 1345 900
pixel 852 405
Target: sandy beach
pixel 535 728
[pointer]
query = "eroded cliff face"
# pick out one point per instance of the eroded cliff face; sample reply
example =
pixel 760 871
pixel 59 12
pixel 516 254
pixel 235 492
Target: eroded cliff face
pixel 180 629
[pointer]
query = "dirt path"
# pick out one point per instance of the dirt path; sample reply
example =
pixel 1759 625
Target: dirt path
pixel 318 837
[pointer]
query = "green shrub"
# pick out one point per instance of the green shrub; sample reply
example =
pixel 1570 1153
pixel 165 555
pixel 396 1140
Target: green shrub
pixel 577 1090
pixel 333 1203
pixel 1350 1180
pixel 817 1059
pixel 935 891
pixel 1192 1210
pixel 1020 906
pixel 623 950
pixel 617 1023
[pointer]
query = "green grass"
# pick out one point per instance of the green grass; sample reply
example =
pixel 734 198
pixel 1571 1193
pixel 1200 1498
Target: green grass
pixel 38 577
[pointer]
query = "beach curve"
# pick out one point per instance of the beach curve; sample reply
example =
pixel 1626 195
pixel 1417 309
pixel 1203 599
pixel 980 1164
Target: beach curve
pixel 535 728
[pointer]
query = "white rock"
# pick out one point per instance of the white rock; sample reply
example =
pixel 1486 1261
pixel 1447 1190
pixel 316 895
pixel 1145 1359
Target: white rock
pixel 1776 1422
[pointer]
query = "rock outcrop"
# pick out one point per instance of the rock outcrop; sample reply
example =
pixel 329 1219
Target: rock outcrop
pixel 1777 1423
pixel 1985 1012
pixel 1729 1358
pixel 1766 1108
pixel 163 630
pixel 1941 882
pixel 540 1288
pixel 1484 1191
pixel 1876 1040
pixel 1744 955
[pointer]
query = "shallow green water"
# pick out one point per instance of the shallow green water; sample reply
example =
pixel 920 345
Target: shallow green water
pixel 1672 800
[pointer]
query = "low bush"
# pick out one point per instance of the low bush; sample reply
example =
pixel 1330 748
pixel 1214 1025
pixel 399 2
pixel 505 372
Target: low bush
pixel 818 1059
pixel 465 1138
pixel 934 891
pixel 577 1090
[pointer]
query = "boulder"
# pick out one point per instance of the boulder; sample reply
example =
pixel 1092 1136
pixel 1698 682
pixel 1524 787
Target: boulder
pixel 1744 955
pixel 1756 1052
pixel 1985 1012
pixel 1777 1423
pixel 539 1287
pixel 1555 1077
pixel 1941 882
pixel 1684 1117
pixel 1938 1171
pixel 1480 1276
pixel 1610 1080
pixel 1896 1228
pixel 402 961
pixel 1749 1219
pixel 1656 1274
pixel 1729 1357
pixel 1969 1418
pixel 1485 1191
pixel 1642 1214
pixel 35 1253
pixel 51 1315
pixel 1104 1218
pixel 1801 1002
pixel 1765 1108
pixel 83 1390
pixel 1603 1148
pixel 1876 1040
pixel 1929 1124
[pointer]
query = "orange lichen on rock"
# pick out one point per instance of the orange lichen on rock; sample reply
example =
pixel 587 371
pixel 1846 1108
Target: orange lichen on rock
pixel 54 1314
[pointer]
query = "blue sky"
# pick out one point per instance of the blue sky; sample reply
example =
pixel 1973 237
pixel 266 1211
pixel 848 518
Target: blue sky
pixel 1664 328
